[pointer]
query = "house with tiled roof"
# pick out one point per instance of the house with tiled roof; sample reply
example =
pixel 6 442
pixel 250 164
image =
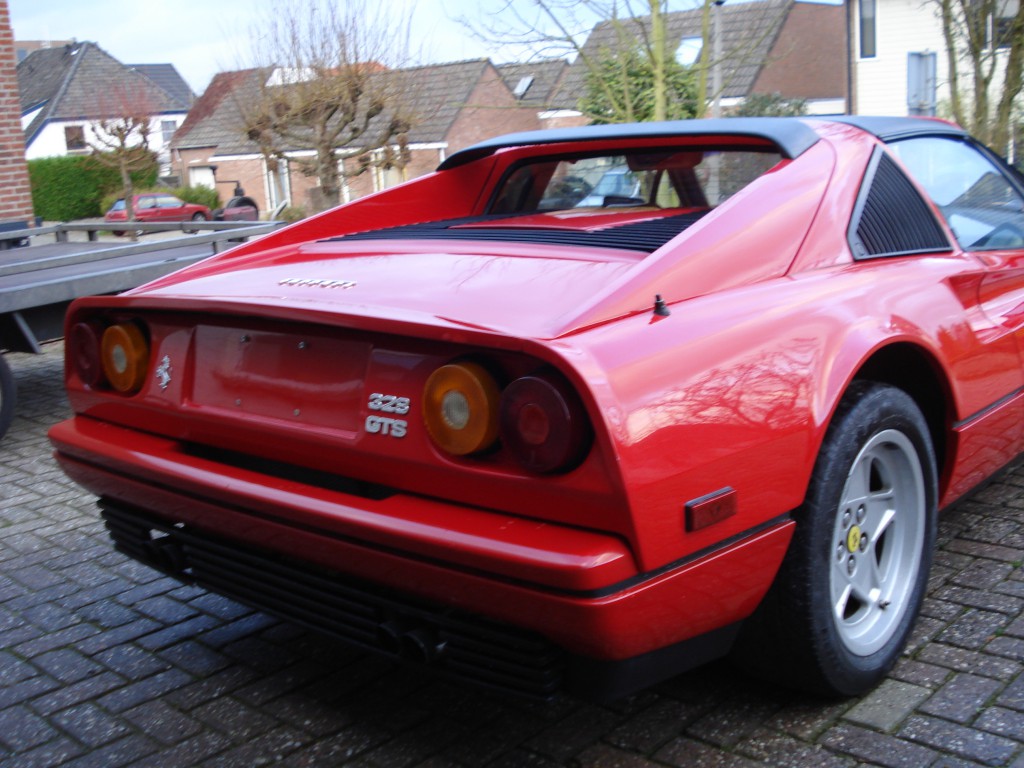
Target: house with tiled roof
pixel 793 48
pixel 534 83
pixel 450 106
pixel 65 90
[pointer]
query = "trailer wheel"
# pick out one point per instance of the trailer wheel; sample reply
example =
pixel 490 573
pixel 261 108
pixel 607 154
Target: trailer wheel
pixel 8 393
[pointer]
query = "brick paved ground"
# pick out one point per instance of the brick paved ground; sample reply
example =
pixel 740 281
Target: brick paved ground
pixel 104 663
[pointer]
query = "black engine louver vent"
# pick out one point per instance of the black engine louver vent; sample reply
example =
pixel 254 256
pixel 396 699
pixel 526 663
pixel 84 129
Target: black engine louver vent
pixel 647 236
pixel 892 219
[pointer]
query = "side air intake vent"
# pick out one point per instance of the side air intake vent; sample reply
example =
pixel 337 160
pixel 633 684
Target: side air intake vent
pixel 891 218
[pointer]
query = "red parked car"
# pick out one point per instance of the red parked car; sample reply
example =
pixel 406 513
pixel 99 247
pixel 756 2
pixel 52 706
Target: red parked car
pixel 157 206
pixel 534 443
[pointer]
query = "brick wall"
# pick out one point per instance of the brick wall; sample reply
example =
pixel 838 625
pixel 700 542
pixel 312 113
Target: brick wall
pixel 490 111
pixel 15 194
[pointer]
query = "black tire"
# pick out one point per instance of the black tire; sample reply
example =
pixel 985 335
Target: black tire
pixel 823 626
pixel 8 396
pixel 195 217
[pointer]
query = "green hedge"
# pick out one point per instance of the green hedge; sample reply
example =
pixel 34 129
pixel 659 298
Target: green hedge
pixel 72 187
pixel 200 195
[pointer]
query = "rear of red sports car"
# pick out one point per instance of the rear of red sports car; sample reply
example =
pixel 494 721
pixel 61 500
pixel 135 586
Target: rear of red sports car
pixel 493 420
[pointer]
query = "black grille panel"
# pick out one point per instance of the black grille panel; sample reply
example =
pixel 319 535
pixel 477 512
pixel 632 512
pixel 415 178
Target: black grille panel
pixel 893 218
pixel 465 647
pixel 647 236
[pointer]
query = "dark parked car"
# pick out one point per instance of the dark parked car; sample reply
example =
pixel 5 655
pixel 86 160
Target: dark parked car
pixel 238 209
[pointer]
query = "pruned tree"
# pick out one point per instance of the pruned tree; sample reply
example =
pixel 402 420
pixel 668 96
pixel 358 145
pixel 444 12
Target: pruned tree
pixel 120 139
pixel 330 91
pixel 984 42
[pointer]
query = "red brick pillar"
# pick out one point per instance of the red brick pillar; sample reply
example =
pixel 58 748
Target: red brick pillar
pixel 15 193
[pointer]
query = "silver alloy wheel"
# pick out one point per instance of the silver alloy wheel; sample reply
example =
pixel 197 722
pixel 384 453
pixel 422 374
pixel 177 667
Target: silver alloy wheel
pixel 877 544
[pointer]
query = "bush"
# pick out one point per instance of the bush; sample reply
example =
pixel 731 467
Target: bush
pixel 292 213
pixel 200 195
pixel 73 187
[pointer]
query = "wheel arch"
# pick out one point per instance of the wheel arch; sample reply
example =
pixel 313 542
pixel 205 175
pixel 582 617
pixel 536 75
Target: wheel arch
pixel 914 370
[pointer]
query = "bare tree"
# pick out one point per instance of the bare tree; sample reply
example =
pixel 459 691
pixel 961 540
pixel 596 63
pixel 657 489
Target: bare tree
pixel 330 90
pixel 120 139
pixel 984 42
pixel 635 35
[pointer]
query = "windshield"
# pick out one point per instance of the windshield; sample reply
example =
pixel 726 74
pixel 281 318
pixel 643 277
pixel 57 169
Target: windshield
pixel 690 178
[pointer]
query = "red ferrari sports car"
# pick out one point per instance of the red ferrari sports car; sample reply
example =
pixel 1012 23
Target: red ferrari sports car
pixel 584 407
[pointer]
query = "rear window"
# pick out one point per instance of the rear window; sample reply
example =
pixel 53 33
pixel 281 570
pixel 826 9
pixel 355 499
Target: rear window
pixel 690 178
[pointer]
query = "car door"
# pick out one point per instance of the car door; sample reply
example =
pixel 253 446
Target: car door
pixel 171 208
pixel 984 207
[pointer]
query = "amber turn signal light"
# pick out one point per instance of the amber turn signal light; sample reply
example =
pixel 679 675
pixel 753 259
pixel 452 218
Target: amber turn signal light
pixel 460 408
pixel 125 356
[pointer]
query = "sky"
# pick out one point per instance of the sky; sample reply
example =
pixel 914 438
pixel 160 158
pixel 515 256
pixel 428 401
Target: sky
pixel 203 37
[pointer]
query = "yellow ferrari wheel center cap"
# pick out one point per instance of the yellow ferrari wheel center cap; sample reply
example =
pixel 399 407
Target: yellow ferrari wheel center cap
pixel 853 539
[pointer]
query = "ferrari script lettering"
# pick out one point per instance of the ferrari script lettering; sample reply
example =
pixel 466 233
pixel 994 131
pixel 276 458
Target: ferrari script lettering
pixel 383 425
pixel 308 282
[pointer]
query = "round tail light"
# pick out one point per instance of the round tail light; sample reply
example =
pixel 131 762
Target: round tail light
pixel 83 347
pixel 460 408
pixel 125 356
pixel 543 424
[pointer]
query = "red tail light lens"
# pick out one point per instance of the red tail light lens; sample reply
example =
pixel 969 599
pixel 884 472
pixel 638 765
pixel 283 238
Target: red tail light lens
pixel 543 424
pixel 460 407
pixel 83 350
pixel 125 356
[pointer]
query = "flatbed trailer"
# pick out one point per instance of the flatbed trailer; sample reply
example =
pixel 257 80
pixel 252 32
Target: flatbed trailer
pixel 39 280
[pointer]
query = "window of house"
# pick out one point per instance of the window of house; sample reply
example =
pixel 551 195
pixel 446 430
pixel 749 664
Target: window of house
pixel 868 31
pixel 167 129
pixel 1001 34
pixel 689 51
pixel 74 137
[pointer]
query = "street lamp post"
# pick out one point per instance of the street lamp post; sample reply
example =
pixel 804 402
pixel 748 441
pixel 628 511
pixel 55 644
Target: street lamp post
pixel 716 64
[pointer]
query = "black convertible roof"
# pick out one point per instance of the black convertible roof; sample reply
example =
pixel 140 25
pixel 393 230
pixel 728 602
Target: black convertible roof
pixel 792 137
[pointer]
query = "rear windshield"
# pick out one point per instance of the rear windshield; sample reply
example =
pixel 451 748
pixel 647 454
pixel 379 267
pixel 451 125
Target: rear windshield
pixel 690 178
pixel 118 206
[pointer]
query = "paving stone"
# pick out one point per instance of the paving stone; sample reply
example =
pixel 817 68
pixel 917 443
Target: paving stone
pixel 22 729
pixel 654 726
pixel 888 705
pixel 67 665
pixel 90 725
pixel 1005 722
pixel 607 756
pixel 876 748
pixel 961 698
pixel 685 752
pixel 985 748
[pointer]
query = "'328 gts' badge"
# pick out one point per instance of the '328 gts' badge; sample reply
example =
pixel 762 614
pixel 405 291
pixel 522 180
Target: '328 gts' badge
pixel 382 422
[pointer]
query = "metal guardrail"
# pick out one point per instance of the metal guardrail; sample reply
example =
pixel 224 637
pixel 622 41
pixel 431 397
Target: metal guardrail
pixel 92 229
pixel 226 234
